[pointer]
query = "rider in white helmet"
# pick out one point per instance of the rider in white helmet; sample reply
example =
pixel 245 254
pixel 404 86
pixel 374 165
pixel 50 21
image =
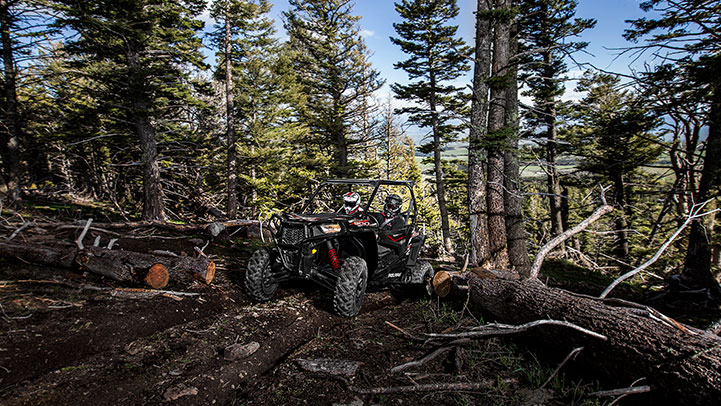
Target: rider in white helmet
pixel 352 204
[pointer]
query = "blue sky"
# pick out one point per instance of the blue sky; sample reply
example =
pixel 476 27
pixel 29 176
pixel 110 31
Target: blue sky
pixel 378 17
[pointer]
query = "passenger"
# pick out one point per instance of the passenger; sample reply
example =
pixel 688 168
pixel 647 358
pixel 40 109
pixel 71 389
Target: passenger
pixel 391 213
pixel 351 204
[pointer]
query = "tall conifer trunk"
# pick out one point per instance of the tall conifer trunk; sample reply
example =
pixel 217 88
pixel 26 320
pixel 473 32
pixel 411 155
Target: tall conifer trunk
pixel 553 179
pixel 153 199
pixel 232 208
pixel 438 166
pixel 10 130
pixel 513 198
pixel 497 133
pixel 479 246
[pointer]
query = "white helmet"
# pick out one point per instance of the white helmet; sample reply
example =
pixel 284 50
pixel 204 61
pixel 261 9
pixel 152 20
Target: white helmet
pixel 351 202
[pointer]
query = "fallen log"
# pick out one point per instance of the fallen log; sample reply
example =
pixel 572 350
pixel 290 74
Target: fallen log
pixel 680 363
pixel 154 270
pixel 62 256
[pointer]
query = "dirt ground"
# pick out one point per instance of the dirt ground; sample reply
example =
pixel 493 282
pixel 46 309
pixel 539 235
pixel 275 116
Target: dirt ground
pixel 64 345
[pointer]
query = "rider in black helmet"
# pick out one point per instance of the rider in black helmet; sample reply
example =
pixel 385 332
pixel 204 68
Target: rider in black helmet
pixel 391 212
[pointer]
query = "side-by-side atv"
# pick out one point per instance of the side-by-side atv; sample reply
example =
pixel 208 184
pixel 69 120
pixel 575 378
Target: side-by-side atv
pixel 345 250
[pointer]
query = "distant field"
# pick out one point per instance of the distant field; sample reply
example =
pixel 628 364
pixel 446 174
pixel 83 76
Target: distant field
pixel 534 171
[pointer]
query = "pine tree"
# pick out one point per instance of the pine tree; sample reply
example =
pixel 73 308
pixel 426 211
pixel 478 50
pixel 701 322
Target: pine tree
pixel 437 58
pixel 547 29
pixel 685 35
pixel 23 25
pixel 614 138
pixel 331 60
pixel 138 51
pixel 242 36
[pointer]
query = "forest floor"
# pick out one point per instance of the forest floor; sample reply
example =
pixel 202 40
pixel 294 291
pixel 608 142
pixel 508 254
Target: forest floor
pixel 61 344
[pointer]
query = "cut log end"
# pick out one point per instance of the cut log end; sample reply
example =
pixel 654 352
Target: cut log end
pixel 442 283
pixel 210 273
pixel 157 277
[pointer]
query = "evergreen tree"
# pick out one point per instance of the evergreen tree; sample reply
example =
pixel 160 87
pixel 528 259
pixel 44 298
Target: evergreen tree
pixel 138 51
pixel 685 36
pixel 614 138
pixel 23 25
pixel 396 149
pixel 547 29
pixel 242 35
pixel 337 79
pixel 437 58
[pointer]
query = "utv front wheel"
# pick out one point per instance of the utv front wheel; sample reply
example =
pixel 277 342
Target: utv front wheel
pixel 350 287
pixel 426 272
pixel 260 284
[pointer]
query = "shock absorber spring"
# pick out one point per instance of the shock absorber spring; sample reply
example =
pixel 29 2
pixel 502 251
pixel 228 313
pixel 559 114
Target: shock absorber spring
pixel 333 257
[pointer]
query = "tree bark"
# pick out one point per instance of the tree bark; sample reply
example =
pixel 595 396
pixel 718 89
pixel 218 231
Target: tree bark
pixel 513 198
pixel 679 362
pixel 232 208
pixel 479 242
pixel 61 256
pixel 153 199
pixel 497 133
pixel 622 246
pixel 10 129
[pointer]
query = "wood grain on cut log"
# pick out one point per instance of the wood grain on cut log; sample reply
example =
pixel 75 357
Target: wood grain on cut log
pixel 681 364
pixel 157 276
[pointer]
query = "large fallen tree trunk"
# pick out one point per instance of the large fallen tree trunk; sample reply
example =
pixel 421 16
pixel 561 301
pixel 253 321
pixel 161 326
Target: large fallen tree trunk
pixel 682 364
pixel 153 270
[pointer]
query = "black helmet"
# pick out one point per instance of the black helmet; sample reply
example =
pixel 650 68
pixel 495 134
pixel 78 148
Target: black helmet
pixel 393 205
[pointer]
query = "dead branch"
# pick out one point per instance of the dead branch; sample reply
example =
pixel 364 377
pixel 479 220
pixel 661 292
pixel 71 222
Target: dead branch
pixel 622 391
pixel 19 230
pixel 431 387
pixel 430 357
pixel 405 333
pixel 495 329
pixel 79 241
pixel 570 355
pixel 148 293
pixel 538 261
pixel 694 213
pixel 121 291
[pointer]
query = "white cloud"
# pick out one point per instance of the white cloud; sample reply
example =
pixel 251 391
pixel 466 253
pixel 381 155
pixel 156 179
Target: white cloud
pixel 367 33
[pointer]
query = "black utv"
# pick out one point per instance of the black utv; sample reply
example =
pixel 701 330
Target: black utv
pixel 345 249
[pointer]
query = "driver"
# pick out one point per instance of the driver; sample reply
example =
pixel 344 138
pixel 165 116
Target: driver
pixel 391 213
pixel 351 204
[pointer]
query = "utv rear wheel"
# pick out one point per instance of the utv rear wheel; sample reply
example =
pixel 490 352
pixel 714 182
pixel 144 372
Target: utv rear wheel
pixel 350 287
pixel 260 284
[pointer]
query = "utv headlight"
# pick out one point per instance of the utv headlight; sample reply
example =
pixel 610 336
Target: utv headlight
pixel 330 228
